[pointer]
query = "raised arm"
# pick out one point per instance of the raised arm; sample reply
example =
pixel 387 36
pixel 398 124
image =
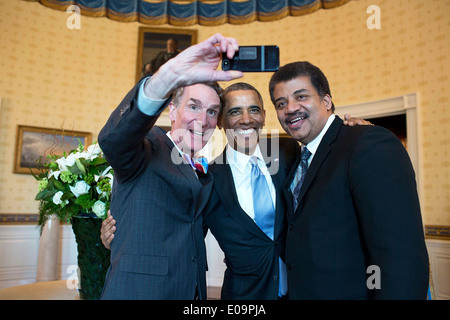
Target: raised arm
pixel 195 64
pixel 122 139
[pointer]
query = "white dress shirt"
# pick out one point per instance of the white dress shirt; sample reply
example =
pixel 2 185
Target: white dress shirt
pixel 241 170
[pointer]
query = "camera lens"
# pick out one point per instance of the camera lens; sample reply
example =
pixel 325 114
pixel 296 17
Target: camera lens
pixel 225 64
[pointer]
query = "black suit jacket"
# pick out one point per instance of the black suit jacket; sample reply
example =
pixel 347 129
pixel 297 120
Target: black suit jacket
pixel 158 251
pixel 358 207
pixel 161 58
pixel 251 257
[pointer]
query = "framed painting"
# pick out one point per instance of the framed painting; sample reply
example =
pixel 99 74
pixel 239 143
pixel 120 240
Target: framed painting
pixel 33 144
pixel 157 45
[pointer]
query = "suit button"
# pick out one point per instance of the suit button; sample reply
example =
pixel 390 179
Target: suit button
pixel 194 259
pixel 275 278
pixel 291 227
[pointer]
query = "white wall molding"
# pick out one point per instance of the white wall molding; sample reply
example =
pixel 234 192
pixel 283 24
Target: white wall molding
pixel 19 247
pixel 439 253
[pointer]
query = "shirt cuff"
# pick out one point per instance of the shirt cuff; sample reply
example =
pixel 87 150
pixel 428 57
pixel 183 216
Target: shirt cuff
pixel 148 106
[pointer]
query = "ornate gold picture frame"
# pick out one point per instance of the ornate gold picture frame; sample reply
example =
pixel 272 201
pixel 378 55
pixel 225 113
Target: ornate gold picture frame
pixel 35 143
pixel 152 41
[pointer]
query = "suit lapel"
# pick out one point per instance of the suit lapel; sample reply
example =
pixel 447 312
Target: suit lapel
pixel 196 184
pixel 320 155
pixel 177 158
pixel 224 185
pixel 207 183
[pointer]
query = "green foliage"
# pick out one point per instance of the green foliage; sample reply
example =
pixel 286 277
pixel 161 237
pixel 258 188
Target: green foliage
pixel 72 183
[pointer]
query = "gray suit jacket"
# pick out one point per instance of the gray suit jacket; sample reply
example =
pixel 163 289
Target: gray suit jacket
pixel 158 251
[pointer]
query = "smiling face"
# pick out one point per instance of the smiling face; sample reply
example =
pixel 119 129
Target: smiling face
pixel 301 111
pixel 195 117
pixel 243 117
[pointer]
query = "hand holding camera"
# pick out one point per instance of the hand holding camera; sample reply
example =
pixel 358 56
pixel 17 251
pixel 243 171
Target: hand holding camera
pixel 253 59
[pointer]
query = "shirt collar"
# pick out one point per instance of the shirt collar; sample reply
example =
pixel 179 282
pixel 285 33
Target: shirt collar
pixel 199 153
pixel 313 145
pixel 170 137
pixel 240 160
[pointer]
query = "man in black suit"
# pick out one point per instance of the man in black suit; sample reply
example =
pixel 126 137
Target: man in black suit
pixel 354 221
pixel 157 197
pixel 254 258
pixel 164 56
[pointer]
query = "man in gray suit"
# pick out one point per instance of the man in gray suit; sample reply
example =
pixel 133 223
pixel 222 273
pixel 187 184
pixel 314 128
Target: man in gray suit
pixel 159 252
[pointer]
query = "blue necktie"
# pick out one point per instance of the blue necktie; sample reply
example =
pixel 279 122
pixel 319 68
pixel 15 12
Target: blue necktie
pixel 303 166
pixel 265 215
pixel 262 200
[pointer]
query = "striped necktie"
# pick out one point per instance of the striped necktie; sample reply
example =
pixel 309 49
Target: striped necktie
pixel 303 166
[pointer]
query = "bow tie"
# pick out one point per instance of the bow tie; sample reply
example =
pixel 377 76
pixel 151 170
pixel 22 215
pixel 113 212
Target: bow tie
pixel 199 164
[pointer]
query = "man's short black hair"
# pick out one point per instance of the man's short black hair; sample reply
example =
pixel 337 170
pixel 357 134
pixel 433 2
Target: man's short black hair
pixel 298 69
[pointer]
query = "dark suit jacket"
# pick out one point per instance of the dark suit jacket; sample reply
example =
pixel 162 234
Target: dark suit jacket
pixel 251 257
pixel 158 251
pixel 358 207
pixel 161 58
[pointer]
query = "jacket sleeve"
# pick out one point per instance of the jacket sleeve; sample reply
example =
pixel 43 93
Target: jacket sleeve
pixel 123 138
pixel 384 191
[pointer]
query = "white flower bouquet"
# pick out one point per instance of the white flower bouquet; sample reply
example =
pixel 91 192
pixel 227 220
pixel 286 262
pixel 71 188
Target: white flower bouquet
pixel 73 184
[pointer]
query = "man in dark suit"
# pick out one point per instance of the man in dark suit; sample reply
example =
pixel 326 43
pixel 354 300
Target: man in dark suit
pixel 254 259
pixel 354 224
pixel 157 197
pixel 164 56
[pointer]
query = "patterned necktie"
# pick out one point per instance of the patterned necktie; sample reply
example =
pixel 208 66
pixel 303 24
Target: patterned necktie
pixel 200 164
pixel 262 200
pixel 303 166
